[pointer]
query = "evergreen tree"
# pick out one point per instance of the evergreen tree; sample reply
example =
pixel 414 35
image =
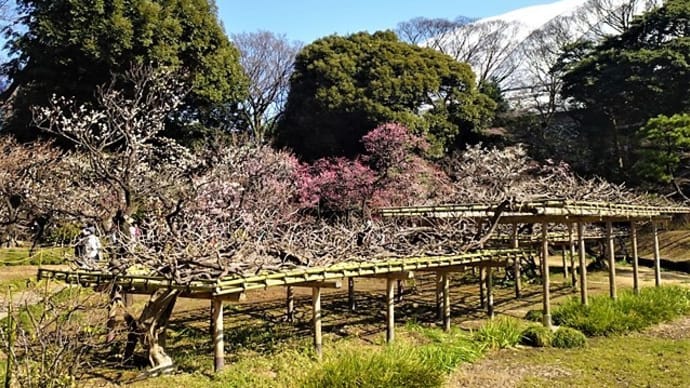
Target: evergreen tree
pixel 69 47
pixel 343 87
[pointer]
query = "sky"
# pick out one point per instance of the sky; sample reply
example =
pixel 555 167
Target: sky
pixel 307 20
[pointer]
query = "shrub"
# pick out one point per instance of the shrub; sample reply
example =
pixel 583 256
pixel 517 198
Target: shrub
pixel 500 333
pixel 630 312
pixel 534 315
pixel 537 335
pixel 568 338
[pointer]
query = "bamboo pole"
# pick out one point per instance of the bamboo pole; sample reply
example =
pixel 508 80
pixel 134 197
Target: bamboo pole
pixel 571 245
pixel 635 258
pixel 565 263
pixel 518 275
pixel 316 320
pixel 351 294
pixel 489 292
pixel 390 310
pixel 218 345
pixel 400 291
pixel 290 304
pixel 446 302
pixel 657 255
pixel 611 248
pixel 545 275
pixel 583 266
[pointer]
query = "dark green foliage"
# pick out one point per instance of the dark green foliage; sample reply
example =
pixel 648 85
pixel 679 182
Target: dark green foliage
pixel 537 336
pixel 628 79
pixel 568 338
pixel 534 315
pixel 343 87
pixel 630 312
pixel 69 47
pixel 665 146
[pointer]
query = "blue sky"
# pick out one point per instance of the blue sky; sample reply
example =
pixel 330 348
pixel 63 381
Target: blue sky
pixel 307 20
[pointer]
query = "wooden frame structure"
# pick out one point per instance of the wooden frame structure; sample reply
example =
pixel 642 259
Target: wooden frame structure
pixel 566 212
pixel 234 288
pixel 570 213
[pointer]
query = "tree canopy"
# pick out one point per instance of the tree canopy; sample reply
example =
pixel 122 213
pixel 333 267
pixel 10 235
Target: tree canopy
pixel 69 47
pixel 629 78
pixel 343 87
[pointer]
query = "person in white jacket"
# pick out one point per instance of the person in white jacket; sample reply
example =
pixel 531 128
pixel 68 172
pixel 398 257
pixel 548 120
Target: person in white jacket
pixel 88 248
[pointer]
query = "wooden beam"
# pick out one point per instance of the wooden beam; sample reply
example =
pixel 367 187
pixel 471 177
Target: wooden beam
pixel 446 302
pixel 545 275
pixel 489 263
pixel 611 247
pixel 234 297
pixel 316 320
pixel 449 269
pixel 516 264
pixel 351 294
pixel 657 255
pixel 290 304
pixel 325 284
pixel 393 275
pixel 489 292
pixel 582 263
pixel 390 310
pixel 218 345
pixel 635 258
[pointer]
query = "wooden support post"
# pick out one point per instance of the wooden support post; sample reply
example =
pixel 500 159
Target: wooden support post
pixel 545 274
pixel 400 290
pixel 518 275
pixel 290 304
pixel 351 294
pixel 218 345
pixel 446 302
pixel 571 245
pixel 657 255
pixel 390 310
pixel 611 248
pixel 316 320
pixel 482 290
pixel 583 266
pixel 635 258
pixel 489 292
pixel 565 263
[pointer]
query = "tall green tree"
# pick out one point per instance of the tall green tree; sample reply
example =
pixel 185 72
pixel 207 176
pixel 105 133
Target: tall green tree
pixel 69 47
pixel 665 151
pixel 628 79
pixel 343 87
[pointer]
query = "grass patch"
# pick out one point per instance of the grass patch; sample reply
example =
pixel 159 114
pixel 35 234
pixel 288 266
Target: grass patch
pixel 618 361
pixel 568 338
pixel 500 333
pixel 40 256
pixel 630 312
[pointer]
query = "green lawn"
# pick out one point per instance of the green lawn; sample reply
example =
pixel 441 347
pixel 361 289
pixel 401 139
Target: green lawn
pixel 40 256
